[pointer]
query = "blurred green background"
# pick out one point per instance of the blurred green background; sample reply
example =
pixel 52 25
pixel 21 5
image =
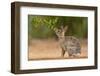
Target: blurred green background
pixel 42 26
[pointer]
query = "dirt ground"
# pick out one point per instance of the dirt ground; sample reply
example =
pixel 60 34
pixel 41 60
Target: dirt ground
pixel 50 49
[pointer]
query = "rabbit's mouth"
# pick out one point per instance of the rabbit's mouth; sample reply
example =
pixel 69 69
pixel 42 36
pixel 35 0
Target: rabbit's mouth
pixel 61 37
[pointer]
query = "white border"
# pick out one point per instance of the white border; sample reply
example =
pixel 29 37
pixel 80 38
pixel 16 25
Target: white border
pixel 25 64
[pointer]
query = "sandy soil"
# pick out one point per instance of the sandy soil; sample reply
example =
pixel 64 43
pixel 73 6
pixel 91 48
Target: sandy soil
pixel 50 49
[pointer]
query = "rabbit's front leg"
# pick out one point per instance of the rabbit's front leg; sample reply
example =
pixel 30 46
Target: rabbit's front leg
pixel 63 49
pixel 63 52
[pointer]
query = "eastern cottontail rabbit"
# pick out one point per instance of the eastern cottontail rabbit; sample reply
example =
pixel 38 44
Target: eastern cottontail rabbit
pixel 68 44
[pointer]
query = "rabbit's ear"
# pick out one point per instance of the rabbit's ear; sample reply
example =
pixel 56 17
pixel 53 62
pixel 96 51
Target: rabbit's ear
pixel 55 29
pixel 62 28
pixel 66 27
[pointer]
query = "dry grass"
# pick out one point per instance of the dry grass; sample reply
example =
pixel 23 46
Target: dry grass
pixel 50 49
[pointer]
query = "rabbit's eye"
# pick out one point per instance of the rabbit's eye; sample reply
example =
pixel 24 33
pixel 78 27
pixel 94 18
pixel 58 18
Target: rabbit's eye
pixel 59 31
